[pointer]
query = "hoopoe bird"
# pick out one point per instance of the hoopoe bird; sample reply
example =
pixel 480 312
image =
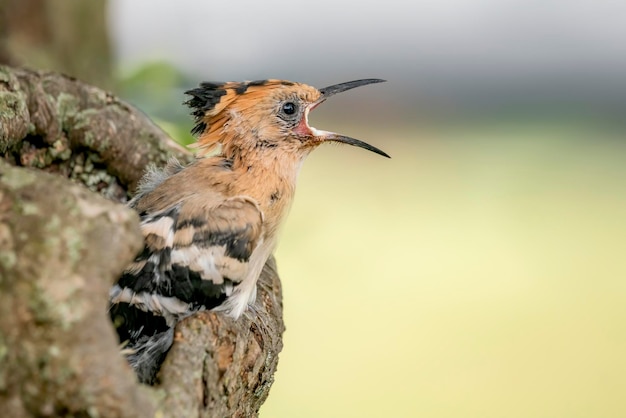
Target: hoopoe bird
pixel 210 227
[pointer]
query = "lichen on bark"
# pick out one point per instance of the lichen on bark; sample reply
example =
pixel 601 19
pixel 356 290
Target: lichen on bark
pixel 61 246
pixel 65 145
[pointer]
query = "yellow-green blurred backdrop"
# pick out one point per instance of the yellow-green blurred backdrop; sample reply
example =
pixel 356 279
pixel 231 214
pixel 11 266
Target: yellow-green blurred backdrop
pixel 479 273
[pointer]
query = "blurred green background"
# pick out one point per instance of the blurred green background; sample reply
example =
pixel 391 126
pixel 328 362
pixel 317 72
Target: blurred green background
pixel 478 273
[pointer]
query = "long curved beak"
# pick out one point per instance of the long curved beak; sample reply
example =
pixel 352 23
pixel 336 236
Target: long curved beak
pixel 331 136
pixel 338 88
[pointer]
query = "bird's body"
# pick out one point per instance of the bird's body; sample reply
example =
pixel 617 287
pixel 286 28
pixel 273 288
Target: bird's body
pixel 210 227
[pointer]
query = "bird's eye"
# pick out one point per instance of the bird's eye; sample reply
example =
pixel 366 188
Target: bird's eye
pixel 289 108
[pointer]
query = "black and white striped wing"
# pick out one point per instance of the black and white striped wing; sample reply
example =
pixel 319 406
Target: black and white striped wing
pixel 195 255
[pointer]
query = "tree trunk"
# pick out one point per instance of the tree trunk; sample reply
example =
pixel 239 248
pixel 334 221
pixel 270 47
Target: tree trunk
pixel 68 36
pixel 62 246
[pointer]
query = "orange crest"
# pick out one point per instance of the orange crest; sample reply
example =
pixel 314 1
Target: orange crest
pixel 214 103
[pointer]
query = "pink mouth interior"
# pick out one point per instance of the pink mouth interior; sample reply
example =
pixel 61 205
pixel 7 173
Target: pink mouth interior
pixel 303 127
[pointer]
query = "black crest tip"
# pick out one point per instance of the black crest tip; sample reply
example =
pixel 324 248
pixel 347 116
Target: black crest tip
pixel 204 99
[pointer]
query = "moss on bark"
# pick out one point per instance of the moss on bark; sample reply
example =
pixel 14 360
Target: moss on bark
pixel 65 145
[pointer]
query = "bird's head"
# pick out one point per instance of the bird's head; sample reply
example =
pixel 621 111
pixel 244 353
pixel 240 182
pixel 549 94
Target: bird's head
pixel 245 117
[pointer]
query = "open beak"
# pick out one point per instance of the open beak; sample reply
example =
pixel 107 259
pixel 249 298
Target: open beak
pixel 331 136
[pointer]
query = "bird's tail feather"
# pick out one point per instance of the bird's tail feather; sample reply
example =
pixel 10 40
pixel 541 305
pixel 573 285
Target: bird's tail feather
pixel 146 355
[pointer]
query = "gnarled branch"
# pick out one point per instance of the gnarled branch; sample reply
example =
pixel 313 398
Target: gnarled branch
pixel 62 247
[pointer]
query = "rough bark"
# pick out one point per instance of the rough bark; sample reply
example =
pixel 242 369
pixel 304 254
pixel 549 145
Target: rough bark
pixel 62 246
pixel 60 125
